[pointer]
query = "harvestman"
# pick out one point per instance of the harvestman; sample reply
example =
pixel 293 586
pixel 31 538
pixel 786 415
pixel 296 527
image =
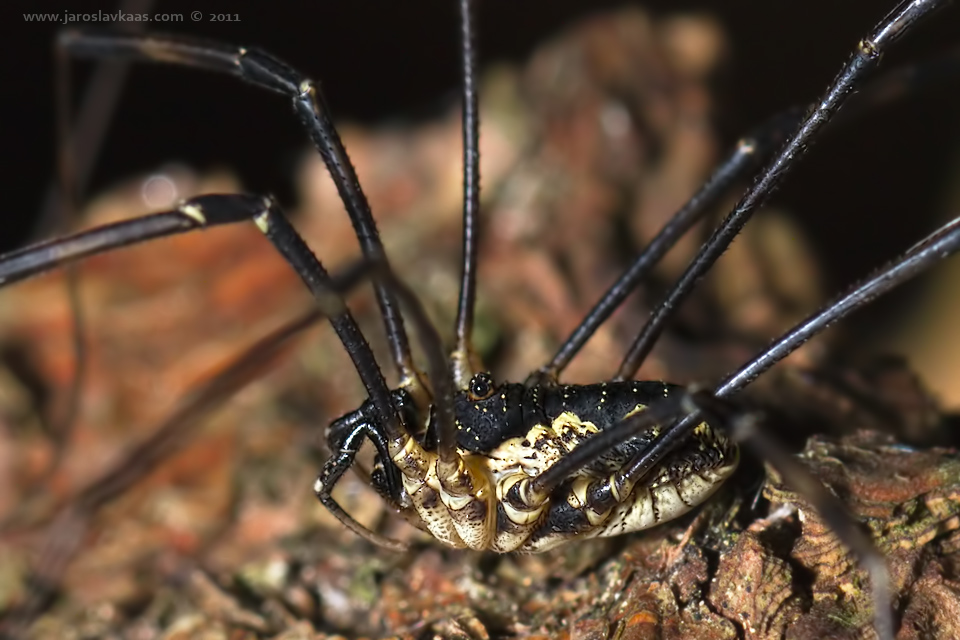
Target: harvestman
pixel 510 466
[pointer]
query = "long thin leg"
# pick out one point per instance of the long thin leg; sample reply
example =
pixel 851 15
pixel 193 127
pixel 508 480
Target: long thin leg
pixel 212 210
pixel 749 152
pixel 939 245
pixel 263 70
pixel 440 376
pixel 864 60
pixel 901 82
pixel 746 156
pixel 934 248
pixel 463 355
pixel 289 243
pixel 441 381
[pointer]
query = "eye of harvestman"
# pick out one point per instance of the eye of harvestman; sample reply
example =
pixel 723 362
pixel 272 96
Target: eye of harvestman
pixel 481 387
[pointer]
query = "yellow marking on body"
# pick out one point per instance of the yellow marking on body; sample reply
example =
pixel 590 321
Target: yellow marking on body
pixel 571 420
pixel 513 455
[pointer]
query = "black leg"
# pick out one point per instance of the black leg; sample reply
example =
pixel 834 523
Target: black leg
pixel 864 60
pixel 63 542
pixel 749 152
pixel 463 356
pixel 930 251
pixel 38 258
pixel 205 211
pixel 289 243
pixel 939 245
pixel 263 70
pixel 441 380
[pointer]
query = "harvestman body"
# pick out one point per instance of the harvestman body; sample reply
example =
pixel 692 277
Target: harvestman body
pixel 511 433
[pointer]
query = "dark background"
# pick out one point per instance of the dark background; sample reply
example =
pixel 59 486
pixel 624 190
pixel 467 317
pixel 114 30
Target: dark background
pixel 380 59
